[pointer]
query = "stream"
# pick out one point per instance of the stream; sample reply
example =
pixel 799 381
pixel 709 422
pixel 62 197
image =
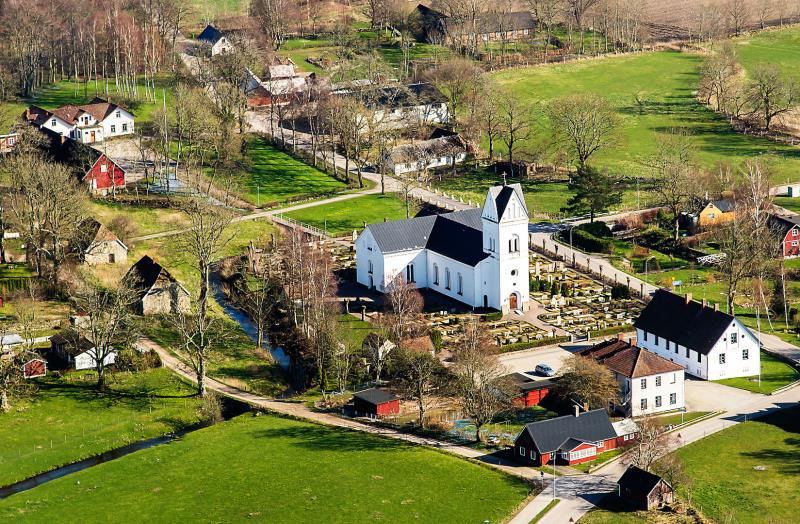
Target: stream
pixel 244 321
pixel 230 408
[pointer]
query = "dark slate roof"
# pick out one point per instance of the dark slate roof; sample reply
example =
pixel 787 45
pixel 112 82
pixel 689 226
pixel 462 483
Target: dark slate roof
pixel 526 383
pixel 411 95
pixel 210 34
pixel 639 481
pixel 375 396
pixel 457 235
pixel 723 204
pixel 782 223
pixel 72 342
pixel 145 273
pixel 502 196
pixel 572 443
pixel 550 435
pixel 691 324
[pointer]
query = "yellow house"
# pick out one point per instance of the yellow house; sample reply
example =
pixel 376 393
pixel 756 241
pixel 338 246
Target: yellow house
pixel 716 212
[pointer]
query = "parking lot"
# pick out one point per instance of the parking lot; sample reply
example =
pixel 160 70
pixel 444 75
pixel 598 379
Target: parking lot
pixel 526 361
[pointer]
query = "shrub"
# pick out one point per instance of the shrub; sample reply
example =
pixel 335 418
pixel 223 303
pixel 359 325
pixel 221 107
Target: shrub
pixel 564 289
pixel 598 229
pixel 436 338
pixel 491 317
pixel 131 360
pixel 591 243
pixel 124 227
pixel 620 291
pixel 210 411
pixel 554 288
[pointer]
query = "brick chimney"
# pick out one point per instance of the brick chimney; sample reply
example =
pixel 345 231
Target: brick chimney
pixel 716 306
pixel 688 297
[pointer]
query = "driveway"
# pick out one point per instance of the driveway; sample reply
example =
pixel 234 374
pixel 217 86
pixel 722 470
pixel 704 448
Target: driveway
pixel 526 361
pixel 702 395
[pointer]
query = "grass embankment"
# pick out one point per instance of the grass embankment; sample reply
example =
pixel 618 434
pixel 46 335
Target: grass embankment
pixel 233 358
pixel 779 46
pixel 277 470
pixel 341 218
pixel 726 487
pixel 146 220
pixel 67 420
pixel 791 204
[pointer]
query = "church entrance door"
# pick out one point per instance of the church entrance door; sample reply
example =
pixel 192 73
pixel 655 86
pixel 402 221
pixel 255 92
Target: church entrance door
pixel 512 301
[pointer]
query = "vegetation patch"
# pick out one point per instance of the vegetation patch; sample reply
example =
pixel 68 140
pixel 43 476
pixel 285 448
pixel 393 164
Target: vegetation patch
pixel 278 470
pixel 775 374
pixel 344 217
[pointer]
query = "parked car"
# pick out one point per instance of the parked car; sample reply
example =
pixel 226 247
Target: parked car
pixel 545 370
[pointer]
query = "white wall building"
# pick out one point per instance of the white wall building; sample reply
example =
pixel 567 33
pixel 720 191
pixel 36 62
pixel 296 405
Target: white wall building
pixel 648 383
pixel 88 123
pixel 446 151
pixel 478 257
pixel 706 342
pixel 218 41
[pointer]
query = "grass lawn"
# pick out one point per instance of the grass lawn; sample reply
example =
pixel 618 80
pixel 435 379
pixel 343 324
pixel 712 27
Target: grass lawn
pixel 354 330
pixel 612 510
pixel 727 488
pixel 656 260
pixel 792 204
pixel 146 219
pixel 667 80
pixel 678 418
pixel 234 358
pixel 544 199
pixel 281 471
pixel 67 420
pixel 601 459
pixel 274 177
pixel 215 9
pixel 780 47
pixel 72 92
pixel 341 218
pixel 774 374
pixel 10 113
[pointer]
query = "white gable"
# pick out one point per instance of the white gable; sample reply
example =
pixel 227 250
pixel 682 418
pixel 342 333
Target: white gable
pixel 490 207
pixel 515 210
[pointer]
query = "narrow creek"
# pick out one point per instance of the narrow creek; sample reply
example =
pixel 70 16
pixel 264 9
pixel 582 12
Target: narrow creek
pixel 230 408
pixel 244 321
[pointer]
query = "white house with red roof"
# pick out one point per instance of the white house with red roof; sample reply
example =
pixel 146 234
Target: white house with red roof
pixel 87 124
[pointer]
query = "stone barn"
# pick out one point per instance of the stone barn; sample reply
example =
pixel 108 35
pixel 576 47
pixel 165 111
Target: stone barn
pixel 96 245
pixel 158 293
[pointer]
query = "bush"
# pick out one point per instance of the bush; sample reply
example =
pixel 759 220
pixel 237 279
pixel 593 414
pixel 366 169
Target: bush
pixel 132 360
pixel 598 229
pixel 210 411
pixel 620 291
pixel 564 289
pixel 124 227
pixel 588 242
pixel 436 338
pixel 491 317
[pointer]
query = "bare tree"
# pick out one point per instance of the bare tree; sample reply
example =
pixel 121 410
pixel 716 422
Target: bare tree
pixel 456 78
pixel 108 321
pixel 403 308
pixel 738 14
pixel 771 92
pixel 718 75
pixel 577 9
pixel 586 122
pixel 203 242
pixel 272 17
pixel 653 443
pixel 515 121
pixel 421 376
pixel 13 384
pixel 673 162
pixel 481 383
pixel 587 381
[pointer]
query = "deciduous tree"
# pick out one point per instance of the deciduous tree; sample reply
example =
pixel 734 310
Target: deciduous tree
pixel 595 191
pixel 584 122
pixel 772 93
pixel 585 380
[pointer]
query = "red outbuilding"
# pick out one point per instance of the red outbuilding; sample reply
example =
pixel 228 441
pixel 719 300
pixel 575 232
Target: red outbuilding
pixel 531 392
pixel 34 368
pixel 92 167
pixel 104 175
pixel 375 403
pixel 788 229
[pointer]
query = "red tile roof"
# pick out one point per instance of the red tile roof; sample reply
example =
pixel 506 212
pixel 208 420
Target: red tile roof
pixel 629 360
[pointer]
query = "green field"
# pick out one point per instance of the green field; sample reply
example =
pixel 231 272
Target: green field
pixel 269 469
pixel 67 420
pixel 667 80
pixel 792 204
pixel 273 177
pixel 71 92
pixel 779 46
pixel 774 374
pixel 341 218
pixel 204 10
pixel 145 220
pixel 727 488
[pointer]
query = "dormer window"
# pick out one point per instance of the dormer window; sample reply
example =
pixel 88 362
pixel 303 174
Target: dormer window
pixel 53 122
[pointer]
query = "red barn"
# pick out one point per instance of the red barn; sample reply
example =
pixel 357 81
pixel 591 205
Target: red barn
pixel 571 439
pixel 788 228
pixel 91 166
pixel 531 392
pixel 104 175
pixel 375 403
pixel 8 142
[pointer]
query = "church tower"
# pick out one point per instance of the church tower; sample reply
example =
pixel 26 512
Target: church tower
pixel 504 273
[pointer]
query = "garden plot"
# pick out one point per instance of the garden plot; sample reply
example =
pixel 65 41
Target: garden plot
pixel 576 303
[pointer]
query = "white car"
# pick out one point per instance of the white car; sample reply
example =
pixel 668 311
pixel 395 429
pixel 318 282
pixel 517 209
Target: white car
pixel 545 370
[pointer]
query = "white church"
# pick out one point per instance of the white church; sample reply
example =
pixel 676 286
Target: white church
pixel 478 257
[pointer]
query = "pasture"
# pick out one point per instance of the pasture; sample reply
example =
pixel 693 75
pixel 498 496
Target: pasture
pixel 345 216
pixel 277 470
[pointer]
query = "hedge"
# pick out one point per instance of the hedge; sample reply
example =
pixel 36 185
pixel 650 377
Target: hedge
pixel 547 341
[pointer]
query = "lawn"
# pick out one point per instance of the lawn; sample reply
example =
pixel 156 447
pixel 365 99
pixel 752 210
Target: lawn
pixel 274 177
pixel 792 204
pixel 72 92
pixel 10 114
pixel 679 418
pixel 146 220
pixel 667 80
pixel 544 199
pixel 353 330
pixel 343 217
pixel 215 9
pixel 277 470
pixel 727 488
pixel 67 420
pixel 234 358
pixel 780 47
pixel 613 510
pixel 774 374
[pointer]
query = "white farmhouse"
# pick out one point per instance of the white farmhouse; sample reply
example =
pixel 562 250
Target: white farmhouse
pixel 87 124
pixel 648 383
pixel 73 351
pixel 708 343
pixel 401 106
pixel 446 151
pixel 478 257
pixel 218 40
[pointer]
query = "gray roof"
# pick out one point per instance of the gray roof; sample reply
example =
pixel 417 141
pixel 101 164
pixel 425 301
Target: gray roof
pixel 457 235
pixel 375 396
pixel 550 435
pixel 502 196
